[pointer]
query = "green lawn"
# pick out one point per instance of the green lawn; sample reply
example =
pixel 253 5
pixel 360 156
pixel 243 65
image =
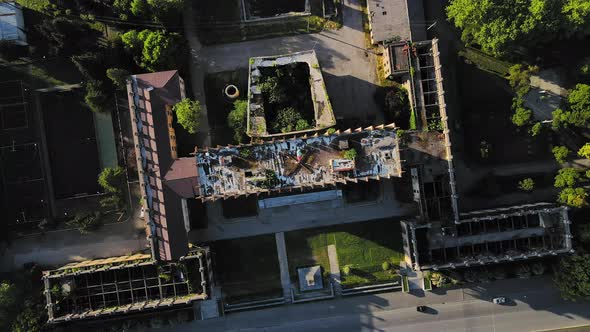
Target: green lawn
pixel 364 246
pixel 247 268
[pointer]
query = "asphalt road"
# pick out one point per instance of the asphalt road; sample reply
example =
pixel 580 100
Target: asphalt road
pixel 535 305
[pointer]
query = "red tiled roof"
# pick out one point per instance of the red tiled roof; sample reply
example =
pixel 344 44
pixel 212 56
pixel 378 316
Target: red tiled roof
pixel 156 80
pixel 183 177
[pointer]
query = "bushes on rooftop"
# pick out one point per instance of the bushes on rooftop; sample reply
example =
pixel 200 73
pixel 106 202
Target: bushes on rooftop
pixel 349 154
pixel 286 120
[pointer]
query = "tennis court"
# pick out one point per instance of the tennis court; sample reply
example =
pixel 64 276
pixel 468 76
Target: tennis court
pixel 23 198
pixel 71 143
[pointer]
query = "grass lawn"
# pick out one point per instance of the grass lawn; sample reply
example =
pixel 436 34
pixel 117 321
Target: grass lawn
pixel 247 268
pixel 364 246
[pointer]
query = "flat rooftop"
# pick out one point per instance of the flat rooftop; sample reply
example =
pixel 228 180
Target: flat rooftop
pixel 298 163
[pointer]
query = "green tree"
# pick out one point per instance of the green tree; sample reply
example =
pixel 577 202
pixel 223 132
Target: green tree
pixel 188 114
pixel 575 197
pixel 560 153
pixel 498 25
pixel 584 151
pixel 236 119
pixel 397 102
pixel 567 177
pixel 520 78
pixel 112 180
pixel 30 319
pixel 140 8
pixel 119 77
pixel 536 129
pixel 526 184
pixel 95 97
pixel 572 277
pixel 522 116
pixel 8 299
pixel 153 50
pixel 578 109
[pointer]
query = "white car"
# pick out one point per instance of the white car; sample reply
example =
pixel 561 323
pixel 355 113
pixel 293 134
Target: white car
pixel 499 300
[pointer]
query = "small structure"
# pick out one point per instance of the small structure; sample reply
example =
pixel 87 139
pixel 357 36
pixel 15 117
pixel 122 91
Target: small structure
pixel 396 19
pixel 396 60
pixel 12 23
pixel 323 115
pixel 310 278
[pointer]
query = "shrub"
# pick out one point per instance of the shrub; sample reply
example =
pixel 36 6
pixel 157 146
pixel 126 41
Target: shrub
pixel 522 116
pixel 386 266
pixel 85 223
pixel 536 129
pixel 346 270
pixel 119 77
pixel 439 280
pixel 188 114
pixel 397 102
pixel 270 179
pixel 286 120
pixel 302 125
pixel 526 184
pixel 561 153
pixel 112 180
pixel 236 119
pixel 330 131
pixel 95 97
pixel 349 154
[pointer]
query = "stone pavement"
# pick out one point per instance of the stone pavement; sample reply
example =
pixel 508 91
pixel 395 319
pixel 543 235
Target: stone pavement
pixel 334 269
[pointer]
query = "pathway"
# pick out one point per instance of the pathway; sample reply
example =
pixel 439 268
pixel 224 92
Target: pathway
pixel 334 269
pixel 283 265
pixel 197 73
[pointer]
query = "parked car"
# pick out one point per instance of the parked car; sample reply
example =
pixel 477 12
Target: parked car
pixel 499 300
pixel 421 308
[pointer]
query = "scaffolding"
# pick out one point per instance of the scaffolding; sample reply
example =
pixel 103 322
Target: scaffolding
pixel 122 285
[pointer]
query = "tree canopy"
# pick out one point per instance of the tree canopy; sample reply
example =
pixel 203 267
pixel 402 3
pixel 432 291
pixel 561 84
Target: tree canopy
pixel 572 278
pixel 112 180
pixel 188 114
pixel 498 25
pixel 577 112
pixel 575 197
pixel 527 184
pixel 585 151
pixel 567 177
pixel 153 50
pixel 561 153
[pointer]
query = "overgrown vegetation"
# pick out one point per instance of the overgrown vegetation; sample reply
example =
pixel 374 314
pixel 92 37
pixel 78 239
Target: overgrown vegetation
pixel 527 185
pixel 287 99
pixel 113 182
pixel 22 306
pixel 500 26
pixel 188 114
pixel 236 119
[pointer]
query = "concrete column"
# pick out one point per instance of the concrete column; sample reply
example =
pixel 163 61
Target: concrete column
pixel 283 265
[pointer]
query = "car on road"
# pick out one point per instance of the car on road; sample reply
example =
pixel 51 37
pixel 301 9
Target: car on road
pixel 421 308
pixel 499 300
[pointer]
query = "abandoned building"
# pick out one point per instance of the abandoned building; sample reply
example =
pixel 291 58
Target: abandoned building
pixel 307 66
pixel 487 237
pixel 298 163
pixel 125 285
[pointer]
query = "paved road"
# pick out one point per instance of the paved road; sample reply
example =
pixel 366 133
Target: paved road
pixel 536 306
pixel 349 71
